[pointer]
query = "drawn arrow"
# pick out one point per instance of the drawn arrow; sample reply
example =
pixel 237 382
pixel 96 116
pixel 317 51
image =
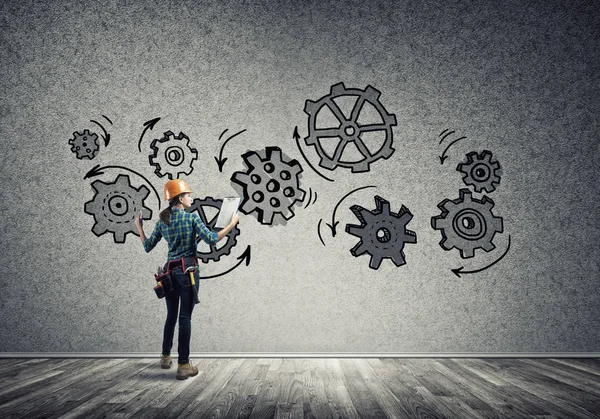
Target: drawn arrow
pixel 459 271
pixel 96 171
pixel 319 231
pixel 221 161
pixel 297 138
pixel 106 136
pixel 443 156
pixel 334 223
pixel 245 255
pixel 148 125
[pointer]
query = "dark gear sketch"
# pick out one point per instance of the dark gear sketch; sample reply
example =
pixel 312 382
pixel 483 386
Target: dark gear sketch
pixel 382 233
pixel 270 185
pixel 85 144
pixel 172 155
pixel 115 205
pixel 467 223
pixel 355 126
pixel 481 171
pixel 208 210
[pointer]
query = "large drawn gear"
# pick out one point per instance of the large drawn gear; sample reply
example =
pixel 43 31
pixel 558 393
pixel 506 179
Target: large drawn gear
pixel 172 155
pixel 467 223
pixel 349 130
pixel 271 185
pixel 481 171
pixel 215 252
pixel 382 233
pixel 115 206
pixel 85 144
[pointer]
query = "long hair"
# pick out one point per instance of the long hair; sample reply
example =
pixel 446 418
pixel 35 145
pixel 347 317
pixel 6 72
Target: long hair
pixel 165 214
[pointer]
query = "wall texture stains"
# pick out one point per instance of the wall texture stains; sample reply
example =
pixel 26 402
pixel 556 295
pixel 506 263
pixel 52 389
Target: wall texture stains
pixel 105 93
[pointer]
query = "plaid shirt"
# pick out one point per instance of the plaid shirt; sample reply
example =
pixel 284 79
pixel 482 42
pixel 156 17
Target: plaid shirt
pixel 181 234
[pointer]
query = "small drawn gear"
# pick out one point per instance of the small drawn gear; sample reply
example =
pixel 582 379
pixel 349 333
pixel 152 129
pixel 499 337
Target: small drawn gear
pixel 467 223
pixel 85 144
pixel 115 206
pixel 215 252
pixel 382 233
pixel 172 155
pixel 480 171
pixel 349 130
pixel 271 185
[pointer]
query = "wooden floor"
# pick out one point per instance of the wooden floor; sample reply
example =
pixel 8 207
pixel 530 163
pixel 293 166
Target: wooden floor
pixel 302 388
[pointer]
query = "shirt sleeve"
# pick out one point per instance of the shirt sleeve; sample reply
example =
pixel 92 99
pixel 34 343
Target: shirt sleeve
pixel 209 237
pixel 154 238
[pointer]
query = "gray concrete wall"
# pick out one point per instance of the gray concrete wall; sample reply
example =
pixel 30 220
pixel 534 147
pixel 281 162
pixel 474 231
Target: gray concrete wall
pixel 517 78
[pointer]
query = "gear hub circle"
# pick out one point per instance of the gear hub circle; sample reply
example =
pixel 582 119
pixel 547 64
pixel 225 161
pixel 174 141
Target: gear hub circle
pixel 349 129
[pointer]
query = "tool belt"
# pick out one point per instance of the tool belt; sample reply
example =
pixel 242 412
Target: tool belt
pixel 163 276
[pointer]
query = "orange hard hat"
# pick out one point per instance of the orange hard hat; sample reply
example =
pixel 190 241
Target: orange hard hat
pixel 175 187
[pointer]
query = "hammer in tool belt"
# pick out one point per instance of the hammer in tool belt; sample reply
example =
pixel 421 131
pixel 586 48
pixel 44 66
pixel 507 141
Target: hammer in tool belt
pixel 191 270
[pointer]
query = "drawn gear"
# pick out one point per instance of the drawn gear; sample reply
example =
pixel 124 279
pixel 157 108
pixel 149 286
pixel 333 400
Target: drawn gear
pixel 382 233
pixel 175 187
pixel 271 185
pixel 115 206
pixel 467 223
pixel 172 155
pixel 481 171
pixel 215 254
pixel 85 144
pixel 349 130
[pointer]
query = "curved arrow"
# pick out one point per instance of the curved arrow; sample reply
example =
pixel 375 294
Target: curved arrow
pixel 245 255
pixel 444 137
pixel 319 231
pixel 96 171
pixel 106 136
pixel 297 138
pixel 335 223
pixel 221 161
pixel 443 156
pixel 459 271
pixel 147 125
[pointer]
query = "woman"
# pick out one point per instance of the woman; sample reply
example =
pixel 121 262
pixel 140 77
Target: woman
pixel 181 230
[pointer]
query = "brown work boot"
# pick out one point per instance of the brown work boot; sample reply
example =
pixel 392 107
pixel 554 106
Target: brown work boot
pixel 165 361
pixel 186 370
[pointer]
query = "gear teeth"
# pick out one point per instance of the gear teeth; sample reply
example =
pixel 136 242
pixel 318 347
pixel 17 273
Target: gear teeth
pixel 310 140
pixel 358 212
pixel 358 250
pixel 337 89
pixel 398 259
pixel 327 163
pixel 354 230
pixel 375 261
pixel 382 205
pixel 361 167
pixel 387 152
pixel 310 107
pixel 488 247
pixel 253 160
pixel 371 94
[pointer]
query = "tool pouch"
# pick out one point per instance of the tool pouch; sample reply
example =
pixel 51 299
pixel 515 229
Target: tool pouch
pixel 159 290
pixel 164 283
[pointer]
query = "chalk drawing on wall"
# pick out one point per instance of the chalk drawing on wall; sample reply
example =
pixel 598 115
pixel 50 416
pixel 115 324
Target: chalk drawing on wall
pixel 467 224
pixel 221 160
pixel 481 171
pixel 349 128
pixel 382 233
pixel 85 144
pixel 208 211
pixel 172 155
pixel 270 186
pixel 115 205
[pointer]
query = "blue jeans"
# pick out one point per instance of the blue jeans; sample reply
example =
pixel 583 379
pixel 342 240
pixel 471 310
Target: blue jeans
pixel 183 292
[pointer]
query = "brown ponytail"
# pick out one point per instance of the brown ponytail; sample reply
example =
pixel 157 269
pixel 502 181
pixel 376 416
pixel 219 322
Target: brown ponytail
pixel 165 214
